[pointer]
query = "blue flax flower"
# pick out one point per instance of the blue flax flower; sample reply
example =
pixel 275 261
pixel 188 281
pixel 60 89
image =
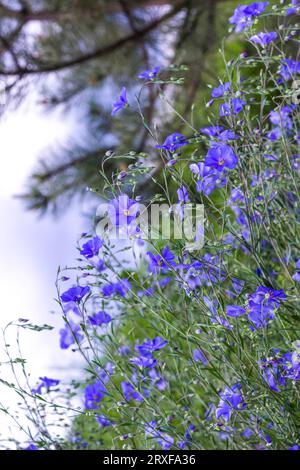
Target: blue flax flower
pixel 93 394
pixel 235 311
pixel 231 399
pixel 183 195
pixel 208 178
pixel 103 421
pixel 163 439
pixel 151 345
pixel 150 74
pixel 123 210
pixel 296 276
pixel 46 383
pixel 100 318
pixel 294 9
pixel 173 142
pixel 130 392
pixel 260 308
pixel 198 355
pixel 268 296
pixel 221 156
pixel 119 288
pixel 221 90
pixel 282 117
pixel 120 103
pixel 244 15
pixel 212 131
pixel 228 135
pixel 145 362
pixel 75 294
pixel 70 334
pixel 273 373
pixel 91 248
pixel 263 39
pixel 260 315
pixel 289 69
pixel 161 262
pixel 157 380
pixel 31 447
pixel 235 106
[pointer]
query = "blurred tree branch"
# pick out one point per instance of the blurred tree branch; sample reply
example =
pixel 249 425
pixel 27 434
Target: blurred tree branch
pixel 136 35
pixel 96 44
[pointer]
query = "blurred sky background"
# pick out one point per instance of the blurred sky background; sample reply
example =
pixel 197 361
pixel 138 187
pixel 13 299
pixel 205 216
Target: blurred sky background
pixel 32 248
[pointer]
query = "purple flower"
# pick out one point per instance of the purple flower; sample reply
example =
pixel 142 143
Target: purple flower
pixel 260 315
pixel 31 447
pixel 75 294
pixel 200 169
pixel 103 421
pixel 173 142
pixel 244 14
pixel 144 361
pixel 163 439
pixel 296 276
pixel 151 345
pixel 157 380
pixel 235 106
pixel 93 394
pixel 281 118
pixel 91 248
pixel 130 392
pixel 274 134
pixel 240 19
pixel 71 307
pixel 116 288
pixel 214 317
pixel 231 399
pixel 289 68
pixel 100 318
pixel 261 306
pixel 235 311
pixel 209 179
pixel 221 90
pixel 292 10
pixel 268 296
pixel 46 383
pixel 212 131
pixel 163 261
pixel 272 158
pixel 271 372
pixel 120 103
pixel 247 433
pixel 198 355
pixel 264 38
pixel 123 210
pixel 69 335
pixel 183 195
pixel 228 135
pixel 256 8
pixel 221 156
pixel 150 74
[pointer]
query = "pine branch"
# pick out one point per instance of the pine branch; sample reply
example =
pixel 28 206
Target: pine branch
pixel 101 52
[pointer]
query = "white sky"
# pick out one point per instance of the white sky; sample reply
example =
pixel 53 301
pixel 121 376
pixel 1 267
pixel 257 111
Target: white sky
pixel 31 249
